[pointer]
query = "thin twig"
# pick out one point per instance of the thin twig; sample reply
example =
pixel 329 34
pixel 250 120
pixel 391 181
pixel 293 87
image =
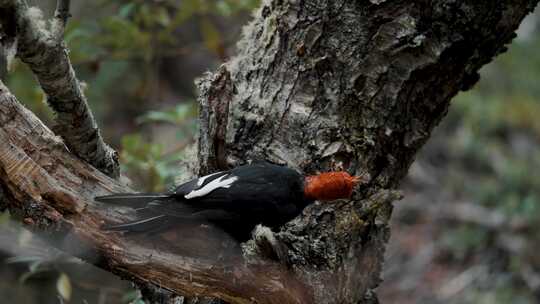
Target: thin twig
pixel 61 16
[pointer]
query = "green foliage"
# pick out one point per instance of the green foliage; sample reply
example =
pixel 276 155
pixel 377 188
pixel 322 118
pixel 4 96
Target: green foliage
pixel 21 82
pixel 464 239
pixel 115 54
pixel 504 175
pixel 493 145
pixel 501 294
pixel 145 159
pixel 181 115
pixel 148 162
pixel 115 50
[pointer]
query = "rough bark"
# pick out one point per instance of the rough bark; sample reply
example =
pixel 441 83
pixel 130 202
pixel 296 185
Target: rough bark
pixel 318 84
pixel 357 85
pixel 47 56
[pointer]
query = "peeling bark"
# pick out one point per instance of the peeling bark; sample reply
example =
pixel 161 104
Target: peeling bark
pixel 317 85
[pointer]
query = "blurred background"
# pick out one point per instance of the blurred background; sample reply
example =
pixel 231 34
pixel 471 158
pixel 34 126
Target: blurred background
pixel 466 231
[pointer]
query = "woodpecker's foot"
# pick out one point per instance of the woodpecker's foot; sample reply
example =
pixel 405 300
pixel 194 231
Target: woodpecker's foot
pixel 264 244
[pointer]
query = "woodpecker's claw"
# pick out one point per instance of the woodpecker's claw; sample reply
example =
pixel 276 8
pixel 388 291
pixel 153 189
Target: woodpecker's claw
pixel 268 246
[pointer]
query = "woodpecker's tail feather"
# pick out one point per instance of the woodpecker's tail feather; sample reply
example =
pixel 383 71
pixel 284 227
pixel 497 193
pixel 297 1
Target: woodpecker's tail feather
pixel 146 225
pixel 135 200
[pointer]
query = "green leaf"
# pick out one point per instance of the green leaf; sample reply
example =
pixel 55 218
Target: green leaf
pixel 75 32
pixel 122 34
pixel 162 16
pixel 126 9
pixel 131 142
pixel 224 8
pixel 177 115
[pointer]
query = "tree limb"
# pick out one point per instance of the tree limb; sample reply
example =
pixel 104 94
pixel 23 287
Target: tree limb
pixel 61 16
pixel 48 58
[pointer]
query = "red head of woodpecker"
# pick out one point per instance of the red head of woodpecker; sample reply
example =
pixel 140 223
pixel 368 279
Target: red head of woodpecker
pixel 235 200
pixel 330 186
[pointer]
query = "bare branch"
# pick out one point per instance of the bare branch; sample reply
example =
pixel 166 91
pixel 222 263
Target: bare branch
pixel 61 16
pixel 49 61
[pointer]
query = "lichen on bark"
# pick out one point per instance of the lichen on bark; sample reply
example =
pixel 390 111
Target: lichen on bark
pixel 352 85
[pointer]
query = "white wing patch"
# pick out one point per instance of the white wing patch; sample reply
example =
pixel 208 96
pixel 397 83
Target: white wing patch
pixel 211 186
pixel 201 180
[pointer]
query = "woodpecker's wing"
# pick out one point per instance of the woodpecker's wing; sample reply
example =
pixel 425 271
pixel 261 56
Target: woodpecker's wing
pixel 135 200
pixel 150 224
pixel 188 198
pixel 250 188
pixel 197 183
pixel 140 200
pixel 235 200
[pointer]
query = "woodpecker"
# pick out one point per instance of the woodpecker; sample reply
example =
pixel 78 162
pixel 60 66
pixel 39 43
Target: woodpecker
pixel 235 200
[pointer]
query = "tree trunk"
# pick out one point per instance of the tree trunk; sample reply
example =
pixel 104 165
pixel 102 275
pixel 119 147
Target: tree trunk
pixel 357 85
pixel 317 85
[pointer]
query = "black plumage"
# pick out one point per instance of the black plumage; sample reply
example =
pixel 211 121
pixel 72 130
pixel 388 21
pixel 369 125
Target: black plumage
pixel 235 200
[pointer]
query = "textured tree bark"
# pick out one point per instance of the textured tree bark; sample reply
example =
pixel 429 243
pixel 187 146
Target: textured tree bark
pixel 318 84
pixel 357 85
